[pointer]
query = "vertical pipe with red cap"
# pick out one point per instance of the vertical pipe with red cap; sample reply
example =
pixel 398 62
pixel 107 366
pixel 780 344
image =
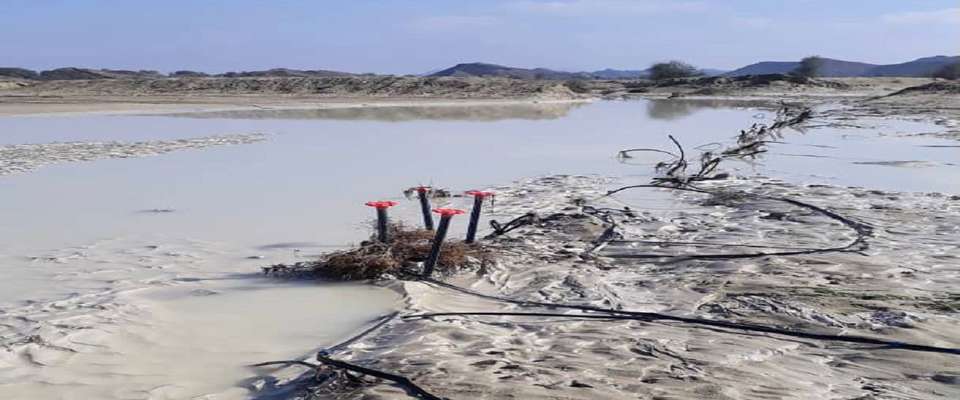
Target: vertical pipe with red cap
pixel 422 192
pixel 445 215
pixel 383 235
pixel 478 197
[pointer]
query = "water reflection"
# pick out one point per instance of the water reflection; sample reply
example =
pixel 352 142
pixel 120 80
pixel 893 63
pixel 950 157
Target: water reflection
pixel 672 109
pixel 452 112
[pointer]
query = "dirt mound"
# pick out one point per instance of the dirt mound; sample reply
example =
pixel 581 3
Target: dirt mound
pixel 715 84
pixel 346 86
pixel 20 73
pixel 121 74
pixel 283 72
pixel 943 87
pixel 72 73
pixel 188 74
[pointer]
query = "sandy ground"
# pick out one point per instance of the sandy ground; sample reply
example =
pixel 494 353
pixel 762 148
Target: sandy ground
pixel 899 286
pixel 895 284
pixel 184 94
pixel 862 96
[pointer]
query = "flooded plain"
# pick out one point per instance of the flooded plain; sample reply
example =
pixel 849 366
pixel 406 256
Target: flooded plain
pixel 116 269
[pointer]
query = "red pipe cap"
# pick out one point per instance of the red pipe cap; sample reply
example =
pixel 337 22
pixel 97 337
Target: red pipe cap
pixel 423 189
pixel 478 193
pixel 448 212
pixel 381 204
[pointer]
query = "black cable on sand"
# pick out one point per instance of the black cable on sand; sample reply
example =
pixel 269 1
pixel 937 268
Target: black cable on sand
pixel 862 230
pixel 323 357
pixel 653 317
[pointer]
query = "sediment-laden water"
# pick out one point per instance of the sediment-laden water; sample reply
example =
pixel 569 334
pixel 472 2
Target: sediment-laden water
pixel 130 245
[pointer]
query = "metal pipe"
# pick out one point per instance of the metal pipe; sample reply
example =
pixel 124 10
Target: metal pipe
pixel 478 197
pixel 445 215
pixel 422 192
pixel 382 235
pixel 383 222
pixel 474 219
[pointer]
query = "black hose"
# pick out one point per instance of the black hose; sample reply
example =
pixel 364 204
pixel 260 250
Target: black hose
pixel 862 230
pixel 652 316
pixel 411 388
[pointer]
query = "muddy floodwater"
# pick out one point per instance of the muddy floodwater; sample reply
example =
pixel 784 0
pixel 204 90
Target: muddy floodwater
pixel 131 271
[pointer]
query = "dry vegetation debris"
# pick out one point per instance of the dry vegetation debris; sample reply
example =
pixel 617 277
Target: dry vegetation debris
pixel 399 257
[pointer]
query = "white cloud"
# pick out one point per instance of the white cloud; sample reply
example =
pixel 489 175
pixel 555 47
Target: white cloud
pixel 593 7
pixel 453 22
pixel 945 16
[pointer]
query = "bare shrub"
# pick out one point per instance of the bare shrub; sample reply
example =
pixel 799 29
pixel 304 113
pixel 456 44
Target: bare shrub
pixel 810 67
pixel 951 71
pixel 673 70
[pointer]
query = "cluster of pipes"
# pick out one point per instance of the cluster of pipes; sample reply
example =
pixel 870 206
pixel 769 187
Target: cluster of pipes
pixel 446 214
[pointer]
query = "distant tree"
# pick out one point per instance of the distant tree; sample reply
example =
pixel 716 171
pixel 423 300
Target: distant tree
pixel 809 67
pixel 672 70
pixel 951 71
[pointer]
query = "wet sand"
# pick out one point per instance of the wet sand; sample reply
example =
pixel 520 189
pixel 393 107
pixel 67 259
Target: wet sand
pixel 899 288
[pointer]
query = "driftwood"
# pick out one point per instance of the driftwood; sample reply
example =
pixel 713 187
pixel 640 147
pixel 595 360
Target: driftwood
pixel 750 143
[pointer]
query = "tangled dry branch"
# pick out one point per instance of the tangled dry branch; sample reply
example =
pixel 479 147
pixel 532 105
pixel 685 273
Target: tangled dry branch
pixel 750 143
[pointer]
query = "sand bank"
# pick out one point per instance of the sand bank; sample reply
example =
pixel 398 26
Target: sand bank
pixel 898 287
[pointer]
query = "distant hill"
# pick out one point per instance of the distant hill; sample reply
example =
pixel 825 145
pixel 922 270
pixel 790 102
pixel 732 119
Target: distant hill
pixel 830 67
pixel 619 74
pixel 920 67
pixel 72 73
pixel 713 72
pixel 765 67
pixel 188 74
pixel 285 72
pixel 839 68
pixel 478 69
pixel 20 73
pixel 484 69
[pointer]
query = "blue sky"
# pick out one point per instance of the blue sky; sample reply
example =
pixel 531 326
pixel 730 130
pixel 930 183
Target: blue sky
pixel 415 36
